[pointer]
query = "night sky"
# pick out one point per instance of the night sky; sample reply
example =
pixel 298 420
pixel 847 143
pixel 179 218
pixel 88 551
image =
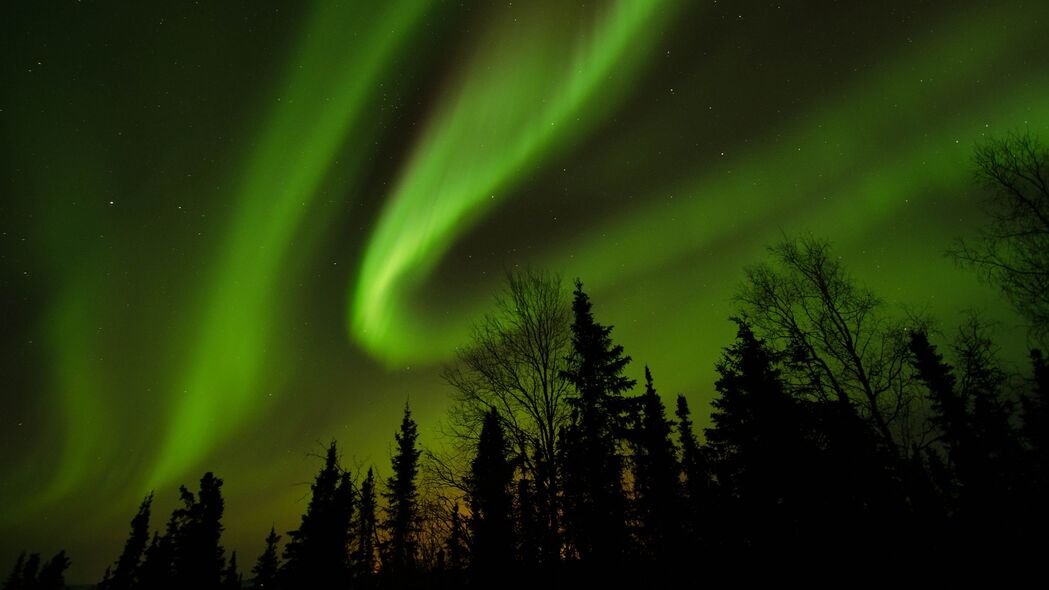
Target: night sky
pixel 231 231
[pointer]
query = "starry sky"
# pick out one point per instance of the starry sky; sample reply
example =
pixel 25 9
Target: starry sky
pixel 230 232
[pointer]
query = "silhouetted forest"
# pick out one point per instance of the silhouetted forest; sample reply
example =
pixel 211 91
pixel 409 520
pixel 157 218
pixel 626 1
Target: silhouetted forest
pixel 843 434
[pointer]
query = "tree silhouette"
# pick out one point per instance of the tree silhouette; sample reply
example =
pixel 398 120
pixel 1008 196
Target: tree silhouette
pixel 759 442
pixel 268 564
pixel 657 478
pixel 595 506
pixel 125 575
pixel 316 554
pixel 1012 250
pixel 456 546
pixel 697 491
pixel 980 482
pixel 24 572
pixel 842 345
pixel 156 571
pixel 515 362
pixel 1036 413
pixel 28 574
pixel 402 522
pixel 491 503
pixel 367 533
pixel 528 525
pixel 197 556
pixel 52 574
pixel 231 578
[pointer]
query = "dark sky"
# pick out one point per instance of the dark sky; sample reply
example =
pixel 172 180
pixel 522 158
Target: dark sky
pixel 230 232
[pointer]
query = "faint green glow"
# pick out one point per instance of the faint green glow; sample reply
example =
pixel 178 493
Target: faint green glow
pixel 527 91
pixel 332 77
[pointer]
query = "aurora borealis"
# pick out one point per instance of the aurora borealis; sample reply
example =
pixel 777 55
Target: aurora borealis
pixel 231 232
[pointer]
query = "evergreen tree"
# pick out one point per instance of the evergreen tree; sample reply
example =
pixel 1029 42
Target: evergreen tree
pixel 364 556
pixel 696 487
pixel 491 503
pixel 16 579
pixel 268 564
pixel 155 572
pixel 402 522
pixel 1035 415
pixel 529 527
pixel 974 420
pixel 52 574
pixel 197 557
pixel 317 553
pixel 758 445
pixel 125 575
pixel 231 578
pixel 456 547
pixel 657 477
pixel 950 412
pixel 30 571
pixel 595 506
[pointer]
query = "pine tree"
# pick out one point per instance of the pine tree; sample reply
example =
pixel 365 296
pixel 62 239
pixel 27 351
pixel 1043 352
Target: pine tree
pixel 30 571
pixel 456 547
pixel 364 556
pixel 757 441
pixel 268 564
pixel 1035 415
pixel 656 477
pixel 156 572
pixel 491 504
pixel 529 528
pixel 231 578
pixel 197 555
pixel 16 579
pixel 696 488
pixel 975 421
pixel 595 506
pixel 402 522
pixel 317 553
pixel 125 575
pixel 950 412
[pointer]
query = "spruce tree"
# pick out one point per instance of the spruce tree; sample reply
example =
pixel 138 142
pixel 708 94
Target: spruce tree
pixel 364 556
pixel 156 572
pixel 974 420
pixel 231 578
pixel 197 556
pixel 697 486
pixel 595 506
pixel 529 527
pixel 268 564
pixel 1035 415
pixel 125 575
pixel 491 503
pixel 52 574
pixel 402 522
pixel 455 546
pixel 657 478
pixel 30 571
pixel 317 553
pixel 16 579
pixel 757 442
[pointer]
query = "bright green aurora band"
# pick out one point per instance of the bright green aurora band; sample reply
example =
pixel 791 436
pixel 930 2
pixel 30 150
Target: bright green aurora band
pixel 207 206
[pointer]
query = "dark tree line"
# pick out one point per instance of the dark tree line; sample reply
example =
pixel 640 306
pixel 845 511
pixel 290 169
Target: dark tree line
pixel 841 435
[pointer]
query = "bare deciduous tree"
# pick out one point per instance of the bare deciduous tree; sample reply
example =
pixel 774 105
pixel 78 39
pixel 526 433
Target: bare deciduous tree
pixel 1012 249
pixel 843 344
pixel 515 363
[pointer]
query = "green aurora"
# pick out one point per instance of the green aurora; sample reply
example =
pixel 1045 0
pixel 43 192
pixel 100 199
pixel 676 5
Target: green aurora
pixel 230 233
